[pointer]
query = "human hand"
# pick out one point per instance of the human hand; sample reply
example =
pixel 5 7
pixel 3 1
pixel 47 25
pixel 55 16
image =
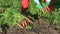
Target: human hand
pixel 25 23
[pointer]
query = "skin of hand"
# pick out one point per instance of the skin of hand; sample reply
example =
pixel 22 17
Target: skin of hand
pixel 45 9
pixel 22 25
pixel 48 8
pixel 25 23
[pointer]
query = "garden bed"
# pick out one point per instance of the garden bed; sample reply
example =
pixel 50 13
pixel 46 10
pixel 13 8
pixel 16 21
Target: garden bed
pixel 41 27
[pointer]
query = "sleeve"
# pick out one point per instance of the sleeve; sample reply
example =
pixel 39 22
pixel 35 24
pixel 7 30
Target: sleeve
pixel 36 1
pixel 47 2
pixel 38 4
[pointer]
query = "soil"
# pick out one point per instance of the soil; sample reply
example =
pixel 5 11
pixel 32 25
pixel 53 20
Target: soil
pixel 41 27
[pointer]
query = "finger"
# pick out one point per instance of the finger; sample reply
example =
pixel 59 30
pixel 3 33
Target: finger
pixel 25 23
pixel 20 26
pixel 28 20
pixel 43 10
pixel 48 9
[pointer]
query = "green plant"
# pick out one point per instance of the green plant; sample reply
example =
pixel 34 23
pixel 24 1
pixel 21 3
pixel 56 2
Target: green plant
pixel 11 15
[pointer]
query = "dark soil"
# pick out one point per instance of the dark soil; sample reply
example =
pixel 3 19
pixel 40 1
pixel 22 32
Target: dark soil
pixel 41 27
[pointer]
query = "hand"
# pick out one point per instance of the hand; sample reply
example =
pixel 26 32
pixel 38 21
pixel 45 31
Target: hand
pixel 43 10
pixel 48 8
pixel 25 23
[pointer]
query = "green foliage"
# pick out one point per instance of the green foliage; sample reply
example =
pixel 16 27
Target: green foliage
pixel 12 14
pixel 32 7
pixel 1 3
pixel 28 27
pixel 55 2
pixel 56 16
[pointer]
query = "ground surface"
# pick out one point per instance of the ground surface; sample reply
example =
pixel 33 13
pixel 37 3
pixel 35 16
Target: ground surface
pixel 41 27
